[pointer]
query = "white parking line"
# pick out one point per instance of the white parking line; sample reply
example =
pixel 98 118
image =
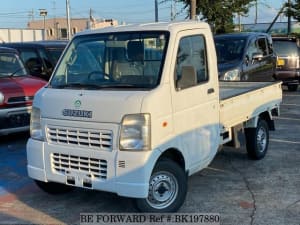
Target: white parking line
pixel 286 118
pixel 287 104
pixel 285 141
pixel 291 95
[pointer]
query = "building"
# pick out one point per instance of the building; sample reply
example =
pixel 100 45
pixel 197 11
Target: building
pixel 56 28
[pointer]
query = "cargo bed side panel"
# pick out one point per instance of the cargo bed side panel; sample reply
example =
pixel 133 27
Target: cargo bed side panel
pixel 242 102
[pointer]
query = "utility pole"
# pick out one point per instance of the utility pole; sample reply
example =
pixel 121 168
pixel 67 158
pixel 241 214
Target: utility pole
pixel 289 17
pixel 193 10
pixel 54 12
pixel 240 24
pixel 256 9
pixel 31 15
pixel 68 19
pixel 173 11
pixel 156 10
pixel 43 12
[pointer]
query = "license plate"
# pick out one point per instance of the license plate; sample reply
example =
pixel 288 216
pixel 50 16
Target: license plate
pixel 280 62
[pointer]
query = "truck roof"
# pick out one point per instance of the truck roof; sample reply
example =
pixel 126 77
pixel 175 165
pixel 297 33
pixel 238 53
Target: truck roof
pixel 160 26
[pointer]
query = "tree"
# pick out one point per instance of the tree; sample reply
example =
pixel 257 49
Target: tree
pixel 293 10
pixel 220 13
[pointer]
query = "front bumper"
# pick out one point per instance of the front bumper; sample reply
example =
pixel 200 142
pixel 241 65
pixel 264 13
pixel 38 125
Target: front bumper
pixel 126 173
pixel 14 119
pixel 288 76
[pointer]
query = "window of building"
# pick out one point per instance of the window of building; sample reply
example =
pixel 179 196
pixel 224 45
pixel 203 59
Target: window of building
pixel 74 30
pixel 63 33
pixel 51 32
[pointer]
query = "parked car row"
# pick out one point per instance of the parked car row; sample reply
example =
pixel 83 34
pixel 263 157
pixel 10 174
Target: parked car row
pixel 17 90
pixel 25 67
pixel 253 56
pixel 40 57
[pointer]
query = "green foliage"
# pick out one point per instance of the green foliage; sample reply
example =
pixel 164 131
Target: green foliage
pixel 220 13
pixel 294 9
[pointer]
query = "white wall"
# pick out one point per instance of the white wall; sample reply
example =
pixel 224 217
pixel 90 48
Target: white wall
pixel 20 35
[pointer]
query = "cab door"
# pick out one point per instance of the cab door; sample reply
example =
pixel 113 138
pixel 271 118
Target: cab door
pixel 195 97
pixel 261 63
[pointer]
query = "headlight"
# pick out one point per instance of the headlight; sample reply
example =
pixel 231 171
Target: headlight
pixel 35 124
pixel 1 98
pixel 135 132
pixel 232 75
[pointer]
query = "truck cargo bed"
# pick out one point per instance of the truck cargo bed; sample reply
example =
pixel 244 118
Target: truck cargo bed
pixel 241 101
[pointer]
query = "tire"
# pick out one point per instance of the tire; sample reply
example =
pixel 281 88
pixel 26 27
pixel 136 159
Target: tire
pixel 167 189
pixel 292 87
pixel 54 188
pixel 257 140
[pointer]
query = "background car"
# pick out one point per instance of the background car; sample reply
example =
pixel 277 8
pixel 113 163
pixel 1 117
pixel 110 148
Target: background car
pixel 287 68
pixel 17 90
pixel 40 57
pixel 245 56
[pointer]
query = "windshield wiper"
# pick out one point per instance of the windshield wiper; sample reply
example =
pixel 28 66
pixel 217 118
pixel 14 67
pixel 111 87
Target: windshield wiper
pixel 121 85
pixel 77 85
pixel 98 86
pixel 14 73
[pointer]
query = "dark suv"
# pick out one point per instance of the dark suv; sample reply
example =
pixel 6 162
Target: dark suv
pixel 288 68
pixel 40 57
pixel 245 56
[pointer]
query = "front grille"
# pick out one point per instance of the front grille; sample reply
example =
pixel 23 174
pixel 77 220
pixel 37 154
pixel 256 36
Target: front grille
pixel 91 167
pixel 20 99
pixel 95 139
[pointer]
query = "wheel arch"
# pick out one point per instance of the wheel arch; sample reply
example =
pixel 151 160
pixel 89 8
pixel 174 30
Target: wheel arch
pixel 267 116
pixel 174 155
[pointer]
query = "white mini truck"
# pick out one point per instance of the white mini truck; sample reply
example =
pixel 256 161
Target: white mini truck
pixel 136 109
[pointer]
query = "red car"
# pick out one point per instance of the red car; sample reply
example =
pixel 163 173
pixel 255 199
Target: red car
pixel 17 90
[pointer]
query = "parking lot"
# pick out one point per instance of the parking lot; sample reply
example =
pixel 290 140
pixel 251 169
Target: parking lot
pixel 242 191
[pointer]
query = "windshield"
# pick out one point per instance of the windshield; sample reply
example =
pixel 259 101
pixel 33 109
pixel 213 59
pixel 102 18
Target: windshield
pixel 229 49
pixel 286 48
pixel 11 65
pixel 114 60
pixel 55 53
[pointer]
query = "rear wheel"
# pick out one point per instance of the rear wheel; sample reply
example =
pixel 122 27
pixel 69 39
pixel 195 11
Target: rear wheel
pixel 257 140
pixel 54 188
pixel 167 188
pixel 292 87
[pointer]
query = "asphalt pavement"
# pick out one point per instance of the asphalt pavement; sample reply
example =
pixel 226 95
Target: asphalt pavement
pixel 242 191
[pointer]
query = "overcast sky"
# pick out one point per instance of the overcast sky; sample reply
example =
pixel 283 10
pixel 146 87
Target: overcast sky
pixel 16 13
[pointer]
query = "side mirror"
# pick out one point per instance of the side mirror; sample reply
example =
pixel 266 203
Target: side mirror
pixel 188 78
pixel 257 56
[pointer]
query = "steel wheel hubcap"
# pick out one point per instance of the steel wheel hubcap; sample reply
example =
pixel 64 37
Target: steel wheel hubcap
pixel 163 190
pixel 261 139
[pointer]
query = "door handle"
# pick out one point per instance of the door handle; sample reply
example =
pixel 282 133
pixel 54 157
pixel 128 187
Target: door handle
pixel 210 91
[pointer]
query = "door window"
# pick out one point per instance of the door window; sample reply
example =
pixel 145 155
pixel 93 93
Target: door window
pixel 191 62
pixel 262 46
pixel 32 61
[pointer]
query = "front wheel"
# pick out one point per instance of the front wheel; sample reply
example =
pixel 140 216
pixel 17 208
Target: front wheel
pixel 257 140
pixel 167 188
pixel 53 188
